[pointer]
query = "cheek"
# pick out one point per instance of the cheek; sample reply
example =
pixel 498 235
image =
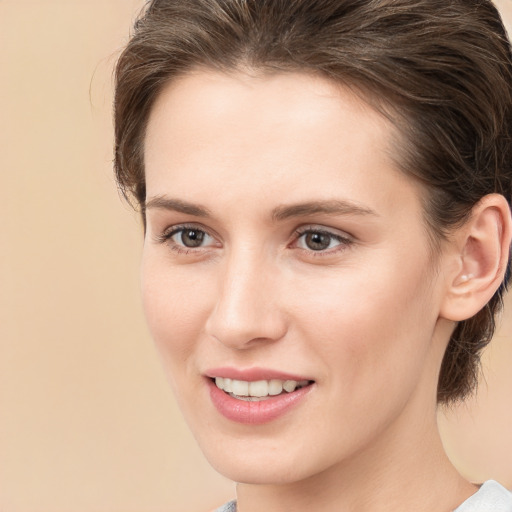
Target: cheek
pixel 175 307
pixel 371 338
pixel 371 325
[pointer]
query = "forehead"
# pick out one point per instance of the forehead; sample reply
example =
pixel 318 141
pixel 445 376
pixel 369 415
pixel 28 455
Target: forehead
pixel 295 133
pixel 293 104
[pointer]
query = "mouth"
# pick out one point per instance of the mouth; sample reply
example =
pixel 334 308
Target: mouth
pixel 256 391
pixel 255 396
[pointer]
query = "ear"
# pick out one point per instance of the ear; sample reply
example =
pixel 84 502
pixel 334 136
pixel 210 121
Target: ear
pixel 482 252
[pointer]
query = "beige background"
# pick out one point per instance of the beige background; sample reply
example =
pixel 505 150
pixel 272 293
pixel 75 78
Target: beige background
pixel 87 423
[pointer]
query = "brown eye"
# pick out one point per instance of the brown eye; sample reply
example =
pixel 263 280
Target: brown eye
pixel 191 237
pixel 320 241
pixel 317 241
pixel 188 237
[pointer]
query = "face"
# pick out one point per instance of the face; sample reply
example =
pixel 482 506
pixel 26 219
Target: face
pixel 286 258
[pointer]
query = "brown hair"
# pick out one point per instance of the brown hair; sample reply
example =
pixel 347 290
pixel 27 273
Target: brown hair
pixel 441 69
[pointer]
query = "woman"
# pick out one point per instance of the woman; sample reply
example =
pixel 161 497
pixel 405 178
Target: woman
pixel 325 191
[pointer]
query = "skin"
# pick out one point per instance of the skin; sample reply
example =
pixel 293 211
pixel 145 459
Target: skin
pixel 363 318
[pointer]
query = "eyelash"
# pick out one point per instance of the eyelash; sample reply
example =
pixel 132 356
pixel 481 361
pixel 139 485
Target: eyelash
pixel 344 241
pixel 166 237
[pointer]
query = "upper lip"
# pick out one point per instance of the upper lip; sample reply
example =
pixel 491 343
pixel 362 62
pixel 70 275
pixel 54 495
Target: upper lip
pixel 252 374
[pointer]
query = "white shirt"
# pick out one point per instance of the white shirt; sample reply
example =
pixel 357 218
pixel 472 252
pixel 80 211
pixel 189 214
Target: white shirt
pixel 491 497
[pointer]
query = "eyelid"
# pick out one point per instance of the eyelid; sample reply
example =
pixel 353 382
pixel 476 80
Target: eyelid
pixel 166 235
pixel 344 238
pixel 319 228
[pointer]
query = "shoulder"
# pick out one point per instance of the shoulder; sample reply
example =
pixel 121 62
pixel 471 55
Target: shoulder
pixel 491 497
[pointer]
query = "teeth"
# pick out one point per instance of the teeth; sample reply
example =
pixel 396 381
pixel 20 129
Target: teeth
pixel 275 387
pixel 259 388
pixel 289 385
pixel 228 385
pixel 240 388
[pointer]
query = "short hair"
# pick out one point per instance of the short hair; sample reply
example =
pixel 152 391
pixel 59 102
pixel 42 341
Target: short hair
pixel 441 70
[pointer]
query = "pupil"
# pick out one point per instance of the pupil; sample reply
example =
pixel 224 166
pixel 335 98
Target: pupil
pixel 317 241
pixel 192 238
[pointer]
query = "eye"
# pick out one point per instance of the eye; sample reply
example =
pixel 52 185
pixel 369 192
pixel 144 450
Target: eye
pixel 190 237
pixel 183 238
pixel 318 240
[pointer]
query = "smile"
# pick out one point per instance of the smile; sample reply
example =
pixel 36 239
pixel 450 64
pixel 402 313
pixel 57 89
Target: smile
pixel 255 396
pixel 258 390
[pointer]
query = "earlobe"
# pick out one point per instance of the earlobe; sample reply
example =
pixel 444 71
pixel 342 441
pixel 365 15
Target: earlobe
pixel 484 246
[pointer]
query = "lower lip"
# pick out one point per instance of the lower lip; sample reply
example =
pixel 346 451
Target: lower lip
pixel 255 413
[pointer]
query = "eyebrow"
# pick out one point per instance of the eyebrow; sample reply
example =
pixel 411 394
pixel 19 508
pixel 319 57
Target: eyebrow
pixel 280 213
pixel 329 207
pixel 177 205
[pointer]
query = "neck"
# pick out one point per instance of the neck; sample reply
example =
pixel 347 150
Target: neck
pixel 406 469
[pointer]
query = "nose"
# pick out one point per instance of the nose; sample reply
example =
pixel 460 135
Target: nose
pixel 247 309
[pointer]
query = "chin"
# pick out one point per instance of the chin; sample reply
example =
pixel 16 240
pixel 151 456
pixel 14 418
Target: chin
pixel 254 461
pixel 250 472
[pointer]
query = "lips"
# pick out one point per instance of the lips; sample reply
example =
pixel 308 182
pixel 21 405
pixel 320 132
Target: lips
pixel 255 396
pixel 252 374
